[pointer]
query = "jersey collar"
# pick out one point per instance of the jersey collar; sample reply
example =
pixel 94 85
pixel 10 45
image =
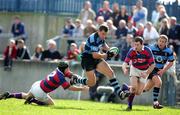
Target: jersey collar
pixel 142 48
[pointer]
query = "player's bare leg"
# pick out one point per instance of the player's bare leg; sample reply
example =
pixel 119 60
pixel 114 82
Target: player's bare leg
pixel 104 68
pixel 133 90
pixel 140 88
pixel 31 99
pixel 49 101
pixel 149 85
pixel 91 78
pixel 28 98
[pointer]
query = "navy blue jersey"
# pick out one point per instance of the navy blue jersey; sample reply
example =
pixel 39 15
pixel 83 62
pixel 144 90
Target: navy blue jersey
pixel 93 44
pixel 161 56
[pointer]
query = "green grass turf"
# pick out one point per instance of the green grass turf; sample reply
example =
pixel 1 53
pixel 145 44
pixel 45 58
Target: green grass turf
pixel 73 107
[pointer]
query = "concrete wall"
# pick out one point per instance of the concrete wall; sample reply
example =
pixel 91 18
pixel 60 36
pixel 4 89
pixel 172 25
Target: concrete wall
pixel 24 74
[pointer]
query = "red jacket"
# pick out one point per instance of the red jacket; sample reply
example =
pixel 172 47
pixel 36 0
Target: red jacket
pixel 13 54
pixel 71 55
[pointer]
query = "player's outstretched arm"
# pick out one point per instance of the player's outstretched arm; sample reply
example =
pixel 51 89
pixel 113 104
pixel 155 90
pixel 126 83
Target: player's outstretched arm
pixel 150 69
pixel 124 68
pixel 166 67
pixel 78 88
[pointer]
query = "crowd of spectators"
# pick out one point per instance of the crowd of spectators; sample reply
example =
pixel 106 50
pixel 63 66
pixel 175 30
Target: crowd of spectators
pixel 123 24
pixel 123 28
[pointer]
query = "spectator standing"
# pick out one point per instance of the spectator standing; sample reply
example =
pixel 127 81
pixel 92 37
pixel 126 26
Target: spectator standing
pixel 126 46
pixel 162 15
pixel 18 28
pixel 121 30
pixel 99 21
pixel 68 28
pixel 164 27
pixel 89 29
pixel 155 14
pixel 174 36
pixel 112 30
pixel 131 29
pixel 87 13
pixel 105 11
pixel 123 14
pixel 115 15
pixel 150 34
pixel 140 14
pixel 79 29
pixel 9 54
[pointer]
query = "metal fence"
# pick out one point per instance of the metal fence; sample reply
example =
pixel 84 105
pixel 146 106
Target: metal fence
pixel 74 6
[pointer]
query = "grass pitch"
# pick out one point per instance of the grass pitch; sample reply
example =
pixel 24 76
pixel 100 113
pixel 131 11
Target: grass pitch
pixel 73 107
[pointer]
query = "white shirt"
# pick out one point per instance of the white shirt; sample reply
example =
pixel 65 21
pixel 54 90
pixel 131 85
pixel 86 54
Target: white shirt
pixel 151 35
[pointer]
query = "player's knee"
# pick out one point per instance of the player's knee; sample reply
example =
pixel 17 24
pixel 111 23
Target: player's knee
pixel 146 90
pixel 51 103
pixel 158 84
pixel 92 84
pixel 133 89
pixel 138 93
pixel 111 73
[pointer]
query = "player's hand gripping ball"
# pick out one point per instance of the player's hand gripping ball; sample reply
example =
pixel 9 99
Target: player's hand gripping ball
pixel 113 51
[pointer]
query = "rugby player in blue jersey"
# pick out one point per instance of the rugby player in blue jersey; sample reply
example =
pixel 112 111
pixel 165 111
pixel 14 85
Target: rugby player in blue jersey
pixel 162 55
pixel 39 92
pixel 93 59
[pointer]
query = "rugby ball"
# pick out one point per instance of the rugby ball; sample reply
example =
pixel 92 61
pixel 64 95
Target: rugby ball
pixel 115 50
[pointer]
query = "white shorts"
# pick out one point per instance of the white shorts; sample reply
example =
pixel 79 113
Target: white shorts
pixel 134 72
pixel 38 93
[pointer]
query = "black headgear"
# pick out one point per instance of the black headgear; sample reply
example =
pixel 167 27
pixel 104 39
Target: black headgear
pixel 62 66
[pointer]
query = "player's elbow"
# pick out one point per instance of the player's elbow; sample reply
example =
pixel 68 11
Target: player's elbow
pixel 92 84
pixel 71 88
pixel 170 64
pixel 124 65
pixel 152 65
pixel 97 55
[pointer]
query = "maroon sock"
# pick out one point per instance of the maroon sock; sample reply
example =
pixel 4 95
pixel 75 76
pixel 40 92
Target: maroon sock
pixel 15 95
pixel 130 99
pixel 38 102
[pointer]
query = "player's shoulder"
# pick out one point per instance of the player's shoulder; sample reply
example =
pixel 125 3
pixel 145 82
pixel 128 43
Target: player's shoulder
pixel 131 50
pixel 153 47
pixel 93 37
pixel 147 48
pixel 168 50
